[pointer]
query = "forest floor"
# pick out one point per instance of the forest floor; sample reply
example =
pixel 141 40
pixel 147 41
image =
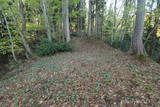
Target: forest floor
pixel 93 75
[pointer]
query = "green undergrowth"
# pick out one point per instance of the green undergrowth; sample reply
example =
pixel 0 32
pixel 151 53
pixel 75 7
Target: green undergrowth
pixel 46 47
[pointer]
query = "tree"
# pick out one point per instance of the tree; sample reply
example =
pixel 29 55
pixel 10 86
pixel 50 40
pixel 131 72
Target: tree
pixel 91 17
pixel 114 21
pixel 81 17
pixel 10 36
pixel 65 13
pixel 126 19
pixel 23 18
pixel 47 24
pixel 100 4
pixel 137 46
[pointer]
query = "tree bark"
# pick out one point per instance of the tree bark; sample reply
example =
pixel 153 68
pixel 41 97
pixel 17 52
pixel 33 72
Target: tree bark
pixel 90 18
pixel 99 16
pixel 80 18
pixel 23 33
pixel 114 21
pixel 46 20
pixel 137 46
pixel 65 13
pixel 98 19
pixel 10 37
pixel 125 19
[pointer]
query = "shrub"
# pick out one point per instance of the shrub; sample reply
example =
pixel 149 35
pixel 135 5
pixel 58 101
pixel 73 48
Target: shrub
pixel 122 45
pixel 75 34
pixel 64 46
pixel 47 47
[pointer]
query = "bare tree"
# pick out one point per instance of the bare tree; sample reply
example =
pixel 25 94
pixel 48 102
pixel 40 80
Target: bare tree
pixel 81 16
pixel 47 24
pixel 100 4
pixel 10 37
pixel 114 21
pixel 125 19
pixel 90 18
pixel 65 13
pixel 137 46
pixel 23 16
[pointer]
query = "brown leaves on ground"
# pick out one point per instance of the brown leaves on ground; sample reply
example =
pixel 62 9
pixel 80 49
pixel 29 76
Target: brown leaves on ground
pixel 94 75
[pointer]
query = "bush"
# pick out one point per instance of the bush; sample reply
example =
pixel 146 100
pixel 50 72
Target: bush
pixel 122 45
pixel 74 34
pixel 64 46
pixel 47 47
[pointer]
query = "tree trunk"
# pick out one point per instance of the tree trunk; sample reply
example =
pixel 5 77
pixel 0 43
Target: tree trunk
pixel 23 33
pixel 137 46
pixel 92 18
pixel 65 13
pixel 10 37
pixel 97 26
pixel 99 16
pixel 114 22
pixel 125 19
pixel 46 20
pixel 80 18
pixel 90 23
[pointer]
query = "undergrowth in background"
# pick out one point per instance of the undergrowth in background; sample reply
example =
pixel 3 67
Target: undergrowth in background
pixel 153 49
pixel 123 45
pixel 46 47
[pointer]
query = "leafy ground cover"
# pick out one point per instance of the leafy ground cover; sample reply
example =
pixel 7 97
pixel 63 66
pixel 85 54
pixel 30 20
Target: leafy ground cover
pixel 93 75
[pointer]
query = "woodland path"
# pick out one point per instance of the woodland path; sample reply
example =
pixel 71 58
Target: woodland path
pixel 94 75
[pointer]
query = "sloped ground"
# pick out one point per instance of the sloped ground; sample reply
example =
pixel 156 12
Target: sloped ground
pixel 94 75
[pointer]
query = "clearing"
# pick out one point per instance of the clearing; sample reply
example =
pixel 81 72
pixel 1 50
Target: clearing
pixel 94 75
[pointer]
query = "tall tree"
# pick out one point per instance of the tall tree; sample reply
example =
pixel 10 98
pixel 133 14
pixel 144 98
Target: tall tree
pixel 81 17
pixel 100 4
pixel 65 13
pixel 10 36
pixel 125 19
pixel 46 20
pixel 137 46
pixel 23 17
pixel 91 17
pixel 114 21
